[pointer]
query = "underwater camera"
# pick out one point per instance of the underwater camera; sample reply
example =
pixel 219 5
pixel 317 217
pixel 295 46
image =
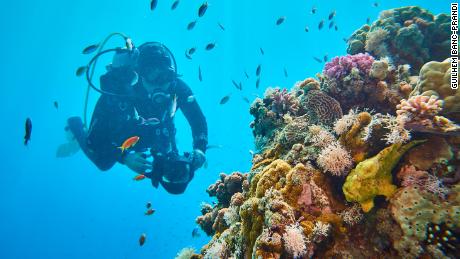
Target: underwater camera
pixel 172 170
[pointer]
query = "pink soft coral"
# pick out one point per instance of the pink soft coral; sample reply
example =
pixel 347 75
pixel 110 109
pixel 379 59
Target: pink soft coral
pixel 410 176
pixel 284 102
pixel 335 159
pixel 294 241
pixel 339 67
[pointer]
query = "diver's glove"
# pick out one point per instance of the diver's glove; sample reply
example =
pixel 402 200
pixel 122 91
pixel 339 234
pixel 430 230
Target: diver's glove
pixel 198 159
pixel 137 162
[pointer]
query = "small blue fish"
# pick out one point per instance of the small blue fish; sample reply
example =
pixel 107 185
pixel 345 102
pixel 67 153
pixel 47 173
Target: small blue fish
pixel 235 84
pixel 224 99
pixel 280 20
pixel 28 131
pixel 200 77
pixel 191 25
pixel 318 60
pixel 258 83
pixel 81 70
pixel 153 4
pixel 313 10
pixel 221 26
pixel 174 5
pixel 195 232
pixel 331 15
pixel 321 24
pixel 262 51
pixel 258 69
pixel 210 46
pixel 90 49
pixel 202 9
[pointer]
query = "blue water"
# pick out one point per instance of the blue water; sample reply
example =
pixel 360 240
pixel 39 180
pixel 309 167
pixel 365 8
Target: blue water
pixel 67 208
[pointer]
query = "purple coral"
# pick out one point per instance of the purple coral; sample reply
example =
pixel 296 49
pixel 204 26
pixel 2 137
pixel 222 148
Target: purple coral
pixel 339 67
pixel 282 102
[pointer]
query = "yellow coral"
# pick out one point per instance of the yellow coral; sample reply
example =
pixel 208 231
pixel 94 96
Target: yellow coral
pixel 435 79
pixel 373 177
pixel 252 221
pixel 268 178
pixel 353 140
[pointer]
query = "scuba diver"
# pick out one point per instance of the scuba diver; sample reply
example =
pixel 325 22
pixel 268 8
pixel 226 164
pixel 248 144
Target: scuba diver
pixel 141 92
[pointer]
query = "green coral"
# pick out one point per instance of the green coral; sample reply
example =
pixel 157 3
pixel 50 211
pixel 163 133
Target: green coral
pixel 372 176
pixel 415 36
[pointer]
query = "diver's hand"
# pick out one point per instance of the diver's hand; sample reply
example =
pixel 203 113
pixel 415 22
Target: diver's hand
pixel 198 159
pixel 137 162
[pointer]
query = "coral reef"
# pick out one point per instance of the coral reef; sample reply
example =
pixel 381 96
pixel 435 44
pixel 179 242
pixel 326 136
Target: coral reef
pixel 380 181
pixel 407 35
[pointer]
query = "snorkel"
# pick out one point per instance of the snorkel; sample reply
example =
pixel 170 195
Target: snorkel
pixel 132 54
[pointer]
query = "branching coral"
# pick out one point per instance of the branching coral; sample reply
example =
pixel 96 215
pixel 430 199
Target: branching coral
pixel 339 67
pixel 281 101
pixel 419 113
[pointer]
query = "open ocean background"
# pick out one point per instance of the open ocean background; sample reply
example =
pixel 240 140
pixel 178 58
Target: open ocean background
pixel 67 208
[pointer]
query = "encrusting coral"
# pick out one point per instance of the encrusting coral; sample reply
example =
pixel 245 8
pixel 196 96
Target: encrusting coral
pixel 318 176
pixel 408 35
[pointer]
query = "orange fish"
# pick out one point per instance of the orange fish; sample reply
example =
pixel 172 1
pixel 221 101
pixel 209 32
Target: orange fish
pixel 149 212
pixel 129 143
pixel 139 177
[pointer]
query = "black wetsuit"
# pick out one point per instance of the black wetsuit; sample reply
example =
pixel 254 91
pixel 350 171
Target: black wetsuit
pixel 116 119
